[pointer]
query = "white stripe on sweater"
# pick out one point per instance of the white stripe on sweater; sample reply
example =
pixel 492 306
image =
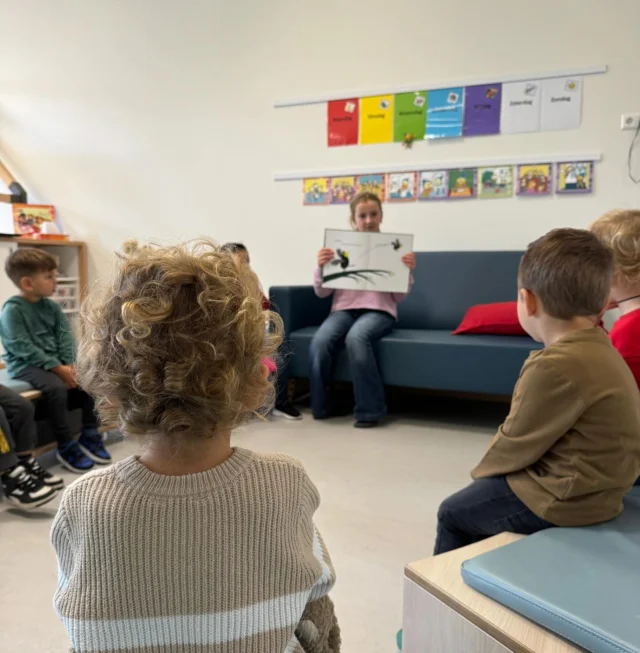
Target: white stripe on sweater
pixel 194 630
pixel 324 584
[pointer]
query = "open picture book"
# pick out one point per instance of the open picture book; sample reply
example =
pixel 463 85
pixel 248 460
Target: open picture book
pixel 367 261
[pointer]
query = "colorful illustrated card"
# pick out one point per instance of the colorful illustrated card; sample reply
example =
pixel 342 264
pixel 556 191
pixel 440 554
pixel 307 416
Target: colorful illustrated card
pixel 376 119
pixel 534 179
pixel 482 109
pixel 343 189
pixel 401 186
pixel 575 177
pixel 410 115
pixel 520 111
pixel 433 185
pixel 28 219
pixel 462 183
pixel 342 122
pixel 371 184
pixel 315 191
pixel 495 182
pixel 561 103
pixel 445 108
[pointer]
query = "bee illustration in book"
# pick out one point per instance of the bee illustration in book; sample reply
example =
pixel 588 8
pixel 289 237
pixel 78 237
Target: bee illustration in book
pixel 402 186
pixel 575 177
pixel 433 185
pixel 495 182
pixel 462 183
pixel 316 191
pixel 343 189
pixel 371 184
pixel 342 259
pixel 534 179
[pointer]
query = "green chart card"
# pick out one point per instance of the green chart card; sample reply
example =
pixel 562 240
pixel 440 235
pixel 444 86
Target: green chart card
pixel 410 116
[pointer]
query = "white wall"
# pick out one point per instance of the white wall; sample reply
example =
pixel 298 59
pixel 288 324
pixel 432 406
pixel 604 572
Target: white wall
pixel 153 117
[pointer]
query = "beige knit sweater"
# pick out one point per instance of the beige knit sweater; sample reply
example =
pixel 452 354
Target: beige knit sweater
pixel 223 561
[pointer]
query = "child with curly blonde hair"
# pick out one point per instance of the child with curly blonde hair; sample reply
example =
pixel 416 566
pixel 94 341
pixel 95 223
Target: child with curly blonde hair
pixel 620 230
pixel 193 544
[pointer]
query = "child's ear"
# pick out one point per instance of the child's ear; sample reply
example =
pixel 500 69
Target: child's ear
pixel 26 284
pixel 530 301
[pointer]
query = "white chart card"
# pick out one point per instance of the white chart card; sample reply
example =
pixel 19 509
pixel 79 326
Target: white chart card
pixel 520 110
pixel 561 103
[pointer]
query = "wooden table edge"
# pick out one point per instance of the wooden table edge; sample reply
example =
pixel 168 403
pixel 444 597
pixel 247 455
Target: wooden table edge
pixel 499 635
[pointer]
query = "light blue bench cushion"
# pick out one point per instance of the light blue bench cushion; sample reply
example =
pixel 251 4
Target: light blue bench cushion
pixel 14 384
pixel 581 583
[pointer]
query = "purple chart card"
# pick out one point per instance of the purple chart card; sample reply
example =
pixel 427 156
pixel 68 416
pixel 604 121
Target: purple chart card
pixel 482 109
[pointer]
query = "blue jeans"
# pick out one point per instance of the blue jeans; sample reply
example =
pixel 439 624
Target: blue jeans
pixel 486 507
pixel 358 330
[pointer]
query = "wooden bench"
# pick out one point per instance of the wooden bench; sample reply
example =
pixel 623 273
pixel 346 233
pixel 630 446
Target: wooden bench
pixel 443 615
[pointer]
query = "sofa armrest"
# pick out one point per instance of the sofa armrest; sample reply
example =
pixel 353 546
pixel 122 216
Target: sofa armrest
pixel 298 306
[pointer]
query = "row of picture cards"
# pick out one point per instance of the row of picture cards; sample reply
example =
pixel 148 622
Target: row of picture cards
pixel 489 182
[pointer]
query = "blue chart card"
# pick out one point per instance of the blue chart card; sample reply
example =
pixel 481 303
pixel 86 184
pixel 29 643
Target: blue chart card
pixel 445 111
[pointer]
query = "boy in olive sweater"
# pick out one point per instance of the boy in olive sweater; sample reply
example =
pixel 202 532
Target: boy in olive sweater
pixel 39 349
pixel 570 448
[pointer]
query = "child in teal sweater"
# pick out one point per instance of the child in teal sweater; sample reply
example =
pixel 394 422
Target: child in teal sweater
pixel 39 349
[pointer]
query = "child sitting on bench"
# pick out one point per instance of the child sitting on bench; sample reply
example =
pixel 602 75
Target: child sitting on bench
pixel 570 448
pixel 39 349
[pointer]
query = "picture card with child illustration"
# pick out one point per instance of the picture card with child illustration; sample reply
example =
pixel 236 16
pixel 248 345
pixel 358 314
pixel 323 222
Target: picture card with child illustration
pixel 575 177
pixel 367 261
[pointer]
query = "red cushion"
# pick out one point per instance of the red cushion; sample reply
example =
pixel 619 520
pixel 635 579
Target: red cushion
pixel 494 319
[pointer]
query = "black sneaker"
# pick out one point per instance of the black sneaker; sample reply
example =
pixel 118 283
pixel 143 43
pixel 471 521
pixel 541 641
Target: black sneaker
pixel 25 491
pixel 366 424
pixel 35 470
pixel 288 411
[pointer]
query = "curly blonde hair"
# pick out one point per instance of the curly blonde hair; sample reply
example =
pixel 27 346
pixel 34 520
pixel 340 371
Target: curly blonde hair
pixel 174 345
pixel 619 229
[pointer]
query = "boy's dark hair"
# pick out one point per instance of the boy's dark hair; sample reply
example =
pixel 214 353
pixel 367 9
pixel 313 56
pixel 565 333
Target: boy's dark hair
pixel 570 270
pixel 234 248
pixel 27 261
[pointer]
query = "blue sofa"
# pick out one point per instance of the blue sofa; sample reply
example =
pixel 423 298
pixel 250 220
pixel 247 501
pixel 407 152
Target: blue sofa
pixel 421 352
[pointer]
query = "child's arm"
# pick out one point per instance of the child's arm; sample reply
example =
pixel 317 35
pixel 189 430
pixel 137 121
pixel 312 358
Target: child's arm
pixel 16 341
pixel 318 629
pixel 544 407
pixel 66 346
pixel 61 540
pixel 317 285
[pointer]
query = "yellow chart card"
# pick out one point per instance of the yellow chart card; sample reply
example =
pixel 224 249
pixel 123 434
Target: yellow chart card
pixel 376 119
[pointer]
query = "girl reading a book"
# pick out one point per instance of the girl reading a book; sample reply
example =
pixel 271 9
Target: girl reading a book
pixel 358 319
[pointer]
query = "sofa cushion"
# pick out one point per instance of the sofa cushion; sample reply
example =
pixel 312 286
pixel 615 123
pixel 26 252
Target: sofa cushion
pixel 447 283
pixel 433 359
pixel 580 583
pixel 492 319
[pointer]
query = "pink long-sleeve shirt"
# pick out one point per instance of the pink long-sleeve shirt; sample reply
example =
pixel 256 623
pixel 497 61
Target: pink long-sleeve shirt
pixel 346 300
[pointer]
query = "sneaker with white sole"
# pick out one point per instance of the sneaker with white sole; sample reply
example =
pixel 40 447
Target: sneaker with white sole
pixel 288 411
pixel 73 458
pixel 35 470
pixel 25 491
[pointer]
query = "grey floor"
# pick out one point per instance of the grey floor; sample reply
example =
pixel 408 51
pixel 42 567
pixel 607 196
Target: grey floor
pixel 380 491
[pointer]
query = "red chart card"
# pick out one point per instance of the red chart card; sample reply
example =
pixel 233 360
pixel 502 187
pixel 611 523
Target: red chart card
pixel 342 122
